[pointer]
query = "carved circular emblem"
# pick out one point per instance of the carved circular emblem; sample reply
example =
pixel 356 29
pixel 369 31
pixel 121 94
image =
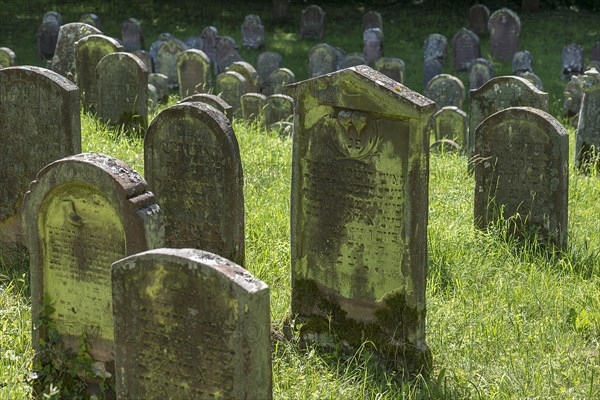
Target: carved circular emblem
pixel 352 134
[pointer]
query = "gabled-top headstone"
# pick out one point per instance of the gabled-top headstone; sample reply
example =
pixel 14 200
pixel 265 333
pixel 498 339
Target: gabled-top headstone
pixel 479 15
pixel 166 59
pixel 522 62
pixel 572 61
pixel 211 100
pixel 63 61
pixel 7 57
pixel 132 35
pixel 391 67
pixel 194 72
pixel 192 164
pixel 190 325
pixel 465 48
pixel 39 123
pixel 372 19
pixel 253 32
pixel 359 212
pixel 445 90
pixel 247 71
pixel 436 47
pixel 372 44
pixel 47 34
pixel 322 59
pixel 588 127
pixel 480 71
pixel 81 214
pixel 266 63
pixel 227 53
pixel 312 23
pixel 505 28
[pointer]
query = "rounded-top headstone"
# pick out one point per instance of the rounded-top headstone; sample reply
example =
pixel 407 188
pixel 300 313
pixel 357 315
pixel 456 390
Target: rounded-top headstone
pixel 47 34
pixel 505 27
pixel 63 61
pixel 133 37
pixel 465 48
pixel 479 15
pixel 445 90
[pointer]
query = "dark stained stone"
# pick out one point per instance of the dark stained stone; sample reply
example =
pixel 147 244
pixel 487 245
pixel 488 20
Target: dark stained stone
pixel 445 90
pixel 480 71
pixel 47 34
pixel 63 61
pixel 372 19
pixel 522 62
pixel 572 61
pixel 505 27
pixel 227 53
pixel 465 48
pixel 312 23
pixel 211 100
pixel 372 44
pixel 231 86
pixel 132 35
pixel 279 108
pixel 479 15
pixel 595 52
pixel 253 106
pixel 194 72
pixel 431 67
pixel 281 11
pixel 253 32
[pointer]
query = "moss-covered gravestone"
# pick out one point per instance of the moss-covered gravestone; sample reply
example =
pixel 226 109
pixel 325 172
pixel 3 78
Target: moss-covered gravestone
pixel 81 214
pixel 194 72
pixel 192 164
pixel 190 325
pixel 32 139
pixel 523 173
pixel 63 61
pixel 279 107
pixel 359 212
pixel 450 123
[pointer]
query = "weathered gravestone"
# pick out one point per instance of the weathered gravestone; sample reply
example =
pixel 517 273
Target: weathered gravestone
pixel 247 71
pixel 391 67
pixel 479 15
pixel 63 61
pixel 372 19
pixel 322 59
pixel 47 34
pixel 153 100
pixel 122 90
pixel 161 83
pixel 359 212
pixel 572 95
pixel 533 78
pixel 81 214
pixel 465 48
pixel 596 52
pixel 587 139
pixel 353 60
pixel 162 38
pixel 266 63
pixel 480 71
pixel 7 57
pixel 522 173
pixel 450 123
pixel 372 44
pixel 436 47
pixel 505 28
pixel 192 165
pixel 91 19
pixel 194 73
pixel 32 140
pixel 211 100
pixel 445 90
pixel 500 93
pixel 231 87
pixel 227 53
pixel 166 59
pixel 146 58
pixel 209 37
pixel 190 325
pixel 278 79
pixel 88 53
pixel 279 108
pixel 431 67
pixel 312 23
pixel 253 32
pixel 253 106
pixel 132 35
pixel 522 61
pixel 572 61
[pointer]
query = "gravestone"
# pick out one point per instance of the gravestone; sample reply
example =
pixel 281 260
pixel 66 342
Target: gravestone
pixel 209 37
pixel 218 340
pixel 281 11
pixel 505 27
pixel 279 108
pixel 436 47
pixel 162 38
pixel 122 91
pixel 445 146
pixel 465 48
pixel 194 74
pixel 522 62
pixel 211 100
pixel 7 57
pixel 227 53
pixel 248 72
pixel 81 214
pixel 573 94
pixel 253 106
pixel 596 52
pixel 530 5
pixel 88 53
pixel 479 15
pixel 161 84
pixel 266 63
pixel 572 61
pixel 359 212
pixel 166 59
pixel 391 67
pixel 146 58
pixel 322 59
pixel 132 35
pixel 431 67
pixel 353 60
pixel 253 32
pixel 312 23
pixel 587 137
pixel 192 165
pixel 480 71
pixel 372 44
pixel 533 78
pixel 63 61
pixel 372 19
pixel 278 79
pixel 32 140
pixel 231 87
pixel 47 34
pixel 450 123
pixel 445 90
pixel 523 173
pixel 153 100
pixel 500 93
pixel 91 19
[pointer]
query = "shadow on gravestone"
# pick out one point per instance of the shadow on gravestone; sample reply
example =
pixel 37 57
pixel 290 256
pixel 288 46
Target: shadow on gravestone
pixel 480 71
pixel 63 61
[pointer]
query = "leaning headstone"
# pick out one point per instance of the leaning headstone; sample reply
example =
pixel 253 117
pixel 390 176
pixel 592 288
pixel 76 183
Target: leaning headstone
pixel 279 108
pixel 479 15
pixel 587 137
pixel 231 87
pixel 480 71
pixel 47 34
pixel 192 165
pixel 211 100
pixel 450 123
pixel 63 60
pixel 7 57
pixel 91 19
pixel 465 48
pixel 522 62
pixel 353 60
pixel 88 53
pixel 500 93
pixel 312 23
pixel 573 94
pixel 81 214
pixel 132 35
pixel 436 47
pixel 445 90
pixel 281 11
pixel 122 91
pixel 209 37
pixel 161 83
pixel 372 44
pixel 596 52
pixel 372 19
pixel 194 73
pixel 217 317
pixel 359 208
pixel 522 176
pixel 533 78
pixel 146 58
pixel 391 67
pixel 253 106
pixel 166 59
pixel 253 32
pixel 572 61
pixel 248 72
pixel 431 68
pixel 322 59
pixel 505 28
pixel 266 63
pixel 226 52
pixel 32 140
pixel 278 79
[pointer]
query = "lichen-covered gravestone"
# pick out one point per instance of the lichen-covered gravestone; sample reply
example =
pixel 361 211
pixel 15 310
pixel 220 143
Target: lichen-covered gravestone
pixel 312 23
pixel 190 325
pixel 32 139
pixel 194 72
pixel 231 87
pixel 522 61
pixel 166 59
pixel 372 44
pixel 47 34
pixel 253 106
pixel 122 90
pixel 132 35
pixel 479 15
pixel 522 173
pixel 465 48
pixel 572 61
pixel 587 137
pixel 249 72
pixel 192 164
pixel 322 59
pixel 279 108
pixel 391 67
pixel 436 47
pixel 505 28
pixel 480 71
pixel 81 214
pixel 226 52
pixel 63 61
pixel 211 100
pixel 359 212
pixel 450 123
pixel 253 32
pixel 445 90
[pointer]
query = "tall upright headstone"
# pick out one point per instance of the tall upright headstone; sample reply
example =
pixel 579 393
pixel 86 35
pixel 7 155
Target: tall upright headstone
pixel 39 123
pixel 190 325
pixel 194 72
pixel 192 164
pixel 465 48
pixel 445 90
pixel 372 44
pixel 572 61
pixel 359 212
pixel 266 63
pixel 253 32
pixel 479 15
pixel 166 59
pixel 226 52
pixel 81 214
pixel 231 87
pixel 63 60
pixel 132 35
pixel 209 37
pixel 587 139
pixel 505 28
pixel 523 173
pixel 391 67
pixel 435 47
pixel 47 34
pixel 431 68
pixel 312 23
pixel 480 71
